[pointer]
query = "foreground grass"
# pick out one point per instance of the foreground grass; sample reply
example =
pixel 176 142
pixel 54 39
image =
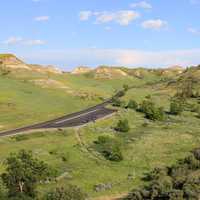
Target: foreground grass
pixel 145 147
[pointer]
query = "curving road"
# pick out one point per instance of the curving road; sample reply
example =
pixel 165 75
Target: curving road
pixel 71 120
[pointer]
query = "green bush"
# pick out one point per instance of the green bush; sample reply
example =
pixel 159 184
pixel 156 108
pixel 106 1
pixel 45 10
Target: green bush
pixel 132 104
pixel 178 182
pixel 109 147
pixel 151 111
pixel 122 126
pixel 176 107
pixel 126 87
pixel 117 102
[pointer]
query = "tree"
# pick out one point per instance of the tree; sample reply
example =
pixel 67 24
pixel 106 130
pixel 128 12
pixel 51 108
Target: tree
pixel 68 193
pixel 22 174
pixel 122 126
pixel 176 107
pixel 132 104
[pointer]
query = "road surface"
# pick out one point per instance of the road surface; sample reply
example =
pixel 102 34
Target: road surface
pixel 72 120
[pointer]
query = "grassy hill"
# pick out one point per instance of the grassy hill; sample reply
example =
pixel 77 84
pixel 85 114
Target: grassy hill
pixel 34 93
pixel 29 96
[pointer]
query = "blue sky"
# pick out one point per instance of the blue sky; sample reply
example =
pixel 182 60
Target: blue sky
pixel 150 33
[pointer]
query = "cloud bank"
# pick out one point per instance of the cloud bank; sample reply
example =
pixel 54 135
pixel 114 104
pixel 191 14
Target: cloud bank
pixel 117 57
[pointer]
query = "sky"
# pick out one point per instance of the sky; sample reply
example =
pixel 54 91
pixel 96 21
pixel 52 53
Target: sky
pixel 133 33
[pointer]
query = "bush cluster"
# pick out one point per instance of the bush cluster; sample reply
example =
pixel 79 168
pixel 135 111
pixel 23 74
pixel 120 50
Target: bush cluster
pixel 132 105
pixel 176 107
pixel 150 110
pixel 122 126
pixel 23 174
pixel 109 147
pixel 178 182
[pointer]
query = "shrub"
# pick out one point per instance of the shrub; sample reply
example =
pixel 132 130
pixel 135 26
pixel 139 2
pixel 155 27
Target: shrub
pixel 178 182
pixel 176 107
pixel 117 102
pixel 121 93
pixel 126 87
pixel 109 147
pixel 122 126
pixel 151 111
pixel 132 105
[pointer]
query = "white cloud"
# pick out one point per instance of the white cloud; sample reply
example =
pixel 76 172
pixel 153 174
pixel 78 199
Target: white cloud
pixel 85 15
pixel 21 41
pixel 194 31
pixel 116 57
pixel 36 1
pixel 155 24
pixel 13 40
pixel 33 42
pixel 122 17
pixel 141 4
pixel 42 18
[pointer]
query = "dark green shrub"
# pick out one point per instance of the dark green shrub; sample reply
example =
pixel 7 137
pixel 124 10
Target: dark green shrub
pixel 117 102
pixel 109 147
pixel 179 182
pixel 151 111
pixel 176 107
pixel 122 126
pixel 121 93
pixel 132 105
pixel 126 87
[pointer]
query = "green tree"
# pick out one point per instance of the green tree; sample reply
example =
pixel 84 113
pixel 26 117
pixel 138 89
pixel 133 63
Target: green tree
pixel 22 174
pixel 122 126
pixel 68 193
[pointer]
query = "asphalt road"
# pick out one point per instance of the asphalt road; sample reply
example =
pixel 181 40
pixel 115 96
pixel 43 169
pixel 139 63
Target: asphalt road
pixel 71 120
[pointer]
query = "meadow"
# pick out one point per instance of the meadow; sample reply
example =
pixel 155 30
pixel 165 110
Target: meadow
pixel 148 144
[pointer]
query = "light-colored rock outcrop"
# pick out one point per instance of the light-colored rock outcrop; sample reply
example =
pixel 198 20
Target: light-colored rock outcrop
pixel 81 70
pixel 109 72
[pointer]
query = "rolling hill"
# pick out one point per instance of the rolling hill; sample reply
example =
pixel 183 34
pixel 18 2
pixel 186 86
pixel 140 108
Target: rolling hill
pixel 37 94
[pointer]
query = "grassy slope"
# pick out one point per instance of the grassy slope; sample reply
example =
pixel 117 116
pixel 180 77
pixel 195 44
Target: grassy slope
pixel 145 146
pixel 23 103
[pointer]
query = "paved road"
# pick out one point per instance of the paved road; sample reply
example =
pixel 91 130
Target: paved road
pixel 72 120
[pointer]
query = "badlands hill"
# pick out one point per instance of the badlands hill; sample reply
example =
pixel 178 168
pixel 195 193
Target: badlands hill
pixel 105 72
pixel 13 63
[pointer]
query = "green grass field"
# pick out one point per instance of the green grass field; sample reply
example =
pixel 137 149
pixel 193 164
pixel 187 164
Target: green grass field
pixel 147 145
pixel 28 97
pixel 24 102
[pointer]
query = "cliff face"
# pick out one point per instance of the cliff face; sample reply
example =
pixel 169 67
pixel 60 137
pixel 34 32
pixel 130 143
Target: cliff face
pixel 9 59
